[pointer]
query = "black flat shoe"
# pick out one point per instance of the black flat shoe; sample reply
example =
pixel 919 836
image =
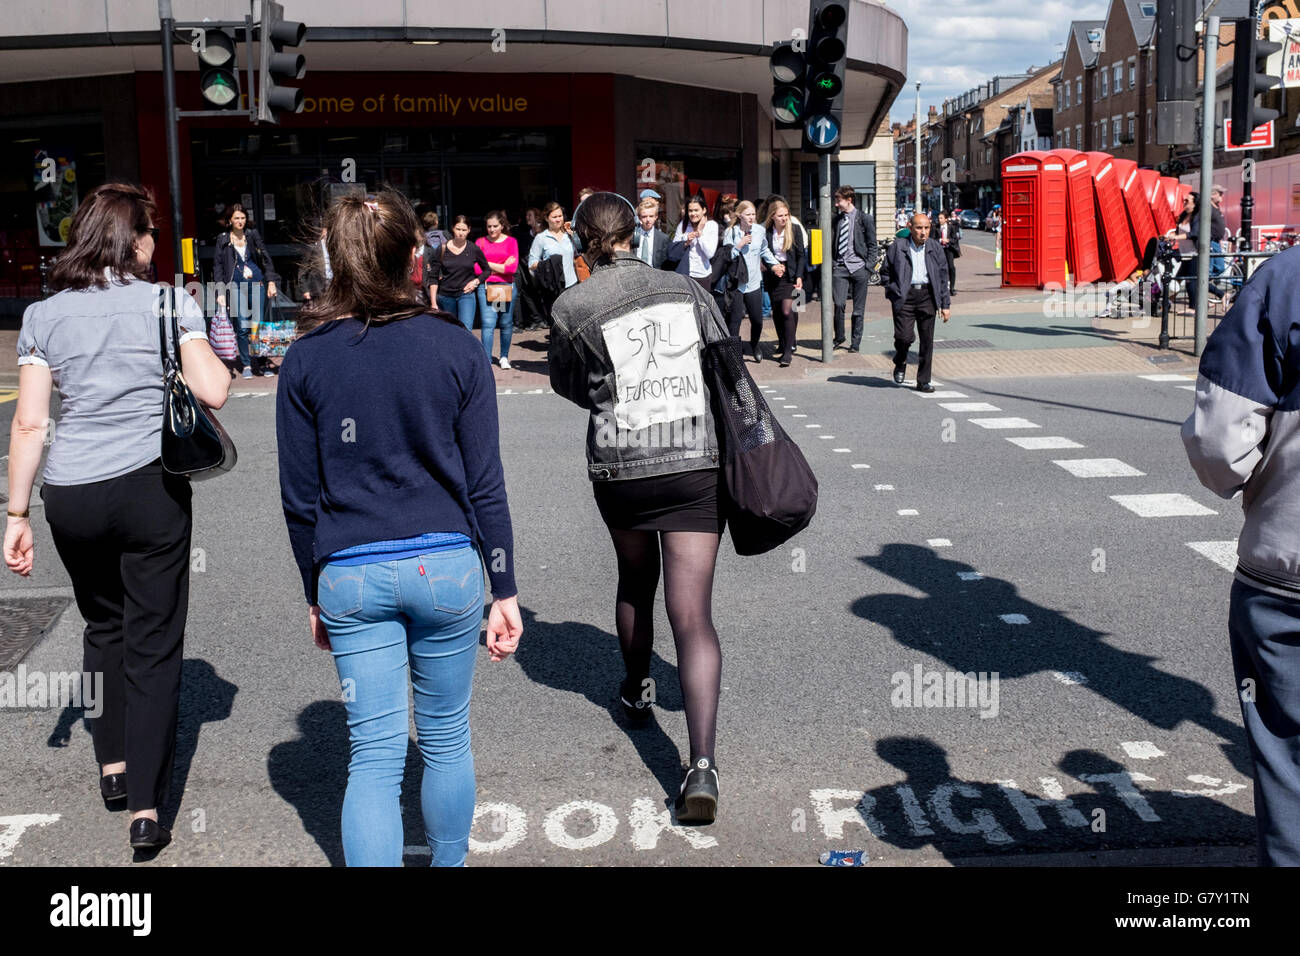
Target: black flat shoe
pixel 900 375
pixel 637 710
pixel 698 800
pixel 148 834
pixel 927 387
pixel 112 787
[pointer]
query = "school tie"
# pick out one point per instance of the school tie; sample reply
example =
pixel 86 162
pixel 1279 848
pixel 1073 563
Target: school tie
pixel 644 249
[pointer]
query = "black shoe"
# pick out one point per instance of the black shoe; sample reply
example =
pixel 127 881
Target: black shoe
pixel 838 343
pixel 148 834
pixel 785 363
pixel 635 709
pixel 854 350
pixel 927 387
pixel 112 787
pixel 900 376
pixel 698 800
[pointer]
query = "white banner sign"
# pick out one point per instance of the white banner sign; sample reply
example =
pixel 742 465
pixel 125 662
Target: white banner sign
pixel 1286 62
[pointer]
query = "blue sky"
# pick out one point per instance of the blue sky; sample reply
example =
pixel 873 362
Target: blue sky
pixel 955 46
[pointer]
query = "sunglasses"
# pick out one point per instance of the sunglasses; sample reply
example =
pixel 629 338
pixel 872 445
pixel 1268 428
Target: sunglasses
pixel 153 232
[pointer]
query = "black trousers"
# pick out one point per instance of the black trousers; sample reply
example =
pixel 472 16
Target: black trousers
pixel 126 545
pixel 913 318
pixel 841 281
pixel 750 303
pixel 952 268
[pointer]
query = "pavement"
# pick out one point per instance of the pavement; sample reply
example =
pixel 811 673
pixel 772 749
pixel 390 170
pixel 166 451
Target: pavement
pixel 1033 525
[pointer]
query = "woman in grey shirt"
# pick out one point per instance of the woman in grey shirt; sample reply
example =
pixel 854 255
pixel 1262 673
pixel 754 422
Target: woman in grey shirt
pixel 120 524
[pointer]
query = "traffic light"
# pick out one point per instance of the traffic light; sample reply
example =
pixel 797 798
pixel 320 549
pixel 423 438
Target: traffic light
pixel 1176 82
pixel 788 94
pixel 218 69
pixel 824 76
pixel 278 33
pixel 1249 54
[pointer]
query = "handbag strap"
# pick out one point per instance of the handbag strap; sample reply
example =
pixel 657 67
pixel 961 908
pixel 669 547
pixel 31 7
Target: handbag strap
pixel 169 361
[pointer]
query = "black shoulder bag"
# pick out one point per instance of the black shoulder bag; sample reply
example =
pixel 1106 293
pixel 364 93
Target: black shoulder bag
pixel 772 490
pixel 193 442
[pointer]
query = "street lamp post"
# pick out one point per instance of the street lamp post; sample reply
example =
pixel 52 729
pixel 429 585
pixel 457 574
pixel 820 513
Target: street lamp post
pixel 918 146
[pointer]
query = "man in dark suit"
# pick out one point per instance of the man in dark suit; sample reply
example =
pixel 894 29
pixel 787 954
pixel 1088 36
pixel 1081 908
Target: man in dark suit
pixel 650 243
pixel 916 284
pixel 853 256
pixel 948 233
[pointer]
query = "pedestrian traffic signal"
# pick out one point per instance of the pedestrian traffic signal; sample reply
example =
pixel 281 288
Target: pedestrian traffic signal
pixel 788 94
pixel 278 33
pixel 218 69
pixel 824 76
pixel 1249 55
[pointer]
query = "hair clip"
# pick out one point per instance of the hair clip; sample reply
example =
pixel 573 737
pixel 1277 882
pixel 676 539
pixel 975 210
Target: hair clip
pixel 372 206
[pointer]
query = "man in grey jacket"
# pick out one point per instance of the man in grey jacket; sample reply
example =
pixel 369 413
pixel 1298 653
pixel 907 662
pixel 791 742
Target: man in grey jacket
pixel 1244 436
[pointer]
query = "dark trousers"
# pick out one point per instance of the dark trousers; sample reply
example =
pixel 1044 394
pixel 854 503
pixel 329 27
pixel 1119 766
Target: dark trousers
pixel 841 280
pixel 126 545
pixel 750 303
pixel 913 317
pixel 1264 630
pixel 952 268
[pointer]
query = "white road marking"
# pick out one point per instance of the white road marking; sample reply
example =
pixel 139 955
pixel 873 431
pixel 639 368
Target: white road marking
pixel 604 818
pixel 1141 749
pixel 908 512
pixel 789 406
pixel 1190 388
pixel 970 575
pixel 507 819
pixel 941 394
pixel 1039 442
pixel 13 828
pixel 812 426
pixel 860 465
pixel 938 542
pixel 825 436
pixel 838 450
pixel 1070 678
pixel 1168 377
pixel 969 407
pixel 1098 468
pixel 1014 618
pixel 778 398
pixel 1162 506
pixel 1002 422
pixel 799 416
pixel 1222 553
pixel 1213 790
pixel 884 487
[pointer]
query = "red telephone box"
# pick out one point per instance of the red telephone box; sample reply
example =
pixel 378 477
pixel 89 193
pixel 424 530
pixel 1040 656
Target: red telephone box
pixel 1170 187
pixel 1155 196
pixel 1081 248
pixel 1183 192
pixel 1118 255
pixel 1140 220
pixel 1035 196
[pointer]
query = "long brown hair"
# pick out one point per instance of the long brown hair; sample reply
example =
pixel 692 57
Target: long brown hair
pixel 601 222
pixel 104 230
pixel 369 240
pixel 787 236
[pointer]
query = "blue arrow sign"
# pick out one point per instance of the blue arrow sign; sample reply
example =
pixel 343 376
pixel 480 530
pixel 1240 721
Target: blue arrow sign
pixel 822 131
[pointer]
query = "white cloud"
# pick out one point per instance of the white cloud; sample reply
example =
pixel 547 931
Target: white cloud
pixel 952 54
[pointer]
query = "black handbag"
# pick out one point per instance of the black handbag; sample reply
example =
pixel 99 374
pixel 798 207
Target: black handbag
pixel 193 442
pixel 772 490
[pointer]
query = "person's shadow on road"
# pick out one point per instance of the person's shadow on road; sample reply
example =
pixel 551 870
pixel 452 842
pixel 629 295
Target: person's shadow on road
pixel 960 623
pixel 583 659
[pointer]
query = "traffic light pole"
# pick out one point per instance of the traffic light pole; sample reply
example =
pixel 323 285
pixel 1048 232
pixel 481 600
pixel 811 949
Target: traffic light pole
pixel 1207 180
pixel 168 25
pixel 828 237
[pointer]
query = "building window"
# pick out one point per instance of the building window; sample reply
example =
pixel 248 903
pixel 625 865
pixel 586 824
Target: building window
pixel 1132 123
pixel 1105 84
pixel 1132 72
pixel 1078 136
pixel 1118 71
pixel 1065 137
pixel 1148 124
pixel 1067 95
pixel 1115 130
pixel 1078 89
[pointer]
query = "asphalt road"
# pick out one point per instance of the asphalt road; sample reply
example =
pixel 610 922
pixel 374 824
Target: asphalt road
pixel 1104 715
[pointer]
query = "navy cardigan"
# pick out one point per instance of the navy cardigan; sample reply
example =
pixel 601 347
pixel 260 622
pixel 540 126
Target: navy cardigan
pixel 388 433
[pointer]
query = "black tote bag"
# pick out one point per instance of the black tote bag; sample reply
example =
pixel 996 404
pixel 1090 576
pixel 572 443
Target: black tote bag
pixel 193 442
pixel 771 488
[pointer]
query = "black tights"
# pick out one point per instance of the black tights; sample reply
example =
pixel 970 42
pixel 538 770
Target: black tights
pixel 786 320
pixel 688 561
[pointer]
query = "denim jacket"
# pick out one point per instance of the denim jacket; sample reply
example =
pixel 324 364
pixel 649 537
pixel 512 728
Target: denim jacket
pixel 627 345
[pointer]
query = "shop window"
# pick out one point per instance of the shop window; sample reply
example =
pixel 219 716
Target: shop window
pixel 669 170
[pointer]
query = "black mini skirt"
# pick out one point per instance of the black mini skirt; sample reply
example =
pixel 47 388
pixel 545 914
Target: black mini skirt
pixel 682 501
